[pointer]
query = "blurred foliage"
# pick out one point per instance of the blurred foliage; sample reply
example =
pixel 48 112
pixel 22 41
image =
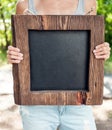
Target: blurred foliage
pixel 7 7
pixel 105 8
pixel 108 67
pixel 110 114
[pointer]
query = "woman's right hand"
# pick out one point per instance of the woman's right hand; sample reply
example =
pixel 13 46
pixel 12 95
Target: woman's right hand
pixel 14 55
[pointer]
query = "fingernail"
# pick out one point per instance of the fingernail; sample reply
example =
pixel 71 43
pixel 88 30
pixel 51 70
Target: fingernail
pixel 18 49
pixel 20 58
pixel 21 54
pixel 96 47
pixel 94 51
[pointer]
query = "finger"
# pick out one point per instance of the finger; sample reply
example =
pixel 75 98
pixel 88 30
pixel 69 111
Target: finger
pixel 102 49
pixel 106 52
pixel 14 53
pixel 14 61
pixel 105 44
pixel 102 57
pixel 11 57
pixel 11 48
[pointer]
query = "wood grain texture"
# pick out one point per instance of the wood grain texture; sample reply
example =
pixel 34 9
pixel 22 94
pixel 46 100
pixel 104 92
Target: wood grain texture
pixel 21 72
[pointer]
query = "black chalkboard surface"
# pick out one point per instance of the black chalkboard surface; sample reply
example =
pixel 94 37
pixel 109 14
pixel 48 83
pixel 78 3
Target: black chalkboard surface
pixel 59 60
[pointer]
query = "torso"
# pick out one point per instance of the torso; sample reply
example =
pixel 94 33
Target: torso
pixel 56 7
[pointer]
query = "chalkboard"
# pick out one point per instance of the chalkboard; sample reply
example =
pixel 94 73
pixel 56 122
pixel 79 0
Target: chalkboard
pixel 59 67
pixel 59 60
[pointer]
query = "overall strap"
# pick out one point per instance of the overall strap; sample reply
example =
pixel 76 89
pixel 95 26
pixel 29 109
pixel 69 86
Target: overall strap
pixel 81 8
pixel 31 7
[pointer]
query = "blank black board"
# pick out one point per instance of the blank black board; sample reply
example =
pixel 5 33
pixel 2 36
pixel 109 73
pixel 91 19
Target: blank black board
pixel 59 59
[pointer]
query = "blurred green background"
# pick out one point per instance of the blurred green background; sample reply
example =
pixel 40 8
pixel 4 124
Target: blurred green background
pixel 7 7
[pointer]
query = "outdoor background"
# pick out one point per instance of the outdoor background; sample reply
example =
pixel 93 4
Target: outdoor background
pixel 9 112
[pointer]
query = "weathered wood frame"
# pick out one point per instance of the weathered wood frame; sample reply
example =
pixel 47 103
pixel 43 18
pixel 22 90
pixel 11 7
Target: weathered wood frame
pixel 21 72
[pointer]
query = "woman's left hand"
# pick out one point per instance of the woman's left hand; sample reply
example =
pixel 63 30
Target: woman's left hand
pixel 102 51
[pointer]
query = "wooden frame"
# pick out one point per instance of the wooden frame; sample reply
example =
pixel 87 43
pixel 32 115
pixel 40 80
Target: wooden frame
pixel 21 72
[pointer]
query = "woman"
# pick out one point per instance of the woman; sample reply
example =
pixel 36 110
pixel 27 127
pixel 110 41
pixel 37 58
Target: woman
pixel 53 117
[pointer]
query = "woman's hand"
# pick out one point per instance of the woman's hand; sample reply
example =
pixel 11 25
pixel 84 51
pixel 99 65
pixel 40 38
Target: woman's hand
pixel 102 51
pixel 14 55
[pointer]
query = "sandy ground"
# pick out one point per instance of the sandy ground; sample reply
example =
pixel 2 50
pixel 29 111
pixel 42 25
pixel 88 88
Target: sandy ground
pixel 9 112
